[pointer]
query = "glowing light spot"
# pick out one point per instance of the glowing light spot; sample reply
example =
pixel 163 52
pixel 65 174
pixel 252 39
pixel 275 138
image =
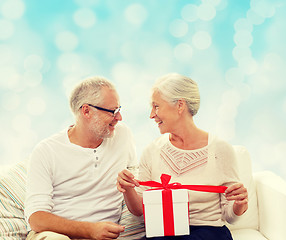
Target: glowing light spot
pixel 84 18
pixel 32 78
pixel 160 56
pixel 241 52
pixel 178 28
pixel 263 8
pixel 212 2
pixel 273 62
pixel 36 106
pixel 33 63
pixel 69 82
pixel 10 101
pixel 7 29
pixel 183 52
pixel 254 18
pixel 136 14
pixel 260 83
pixel 248 65
pixel 189 13
pixel 202 40
pixel 13 9
pixel 66 41
pixel 222 5
pixel 9 77
pixel 206 12
pixel 124 71
pixel 21 123
pixel 234 76
pixel 227 112
pixel 69 62
pixel 86 3
pixel 243 24
pixel 243 38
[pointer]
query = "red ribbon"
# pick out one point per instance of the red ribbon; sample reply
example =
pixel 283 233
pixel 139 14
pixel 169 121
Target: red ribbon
pixel 165 179
pixel 167 199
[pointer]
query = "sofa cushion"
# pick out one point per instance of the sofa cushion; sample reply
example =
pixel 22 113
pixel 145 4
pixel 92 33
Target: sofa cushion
pixel 247 234
pixel 134 226
pixel 12 195
pixel 250 218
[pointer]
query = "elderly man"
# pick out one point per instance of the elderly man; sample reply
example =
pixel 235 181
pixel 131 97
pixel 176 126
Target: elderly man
pixel 71 183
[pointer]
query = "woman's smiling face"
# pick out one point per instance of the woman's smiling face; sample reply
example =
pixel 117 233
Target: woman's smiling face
pixel 164 113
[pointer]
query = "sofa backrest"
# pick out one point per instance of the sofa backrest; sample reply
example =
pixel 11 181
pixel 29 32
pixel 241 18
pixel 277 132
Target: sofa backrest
pixel 250 218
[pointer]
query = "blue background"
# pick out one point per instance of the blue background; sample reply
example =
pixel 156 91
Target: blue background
pixel 235 50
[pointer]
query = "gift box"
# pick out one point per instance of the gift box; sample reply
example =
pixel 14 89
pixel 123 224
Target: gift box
pixel 166 212
pixel 166 206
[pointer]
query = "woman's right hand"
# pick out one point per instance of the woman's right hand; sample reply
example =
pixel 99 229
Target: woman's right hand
pixel 125 181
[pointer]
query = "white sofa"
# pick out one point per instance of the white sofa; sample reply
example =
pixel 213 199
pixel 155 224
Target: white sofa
pixel 267 203
pixel 264 220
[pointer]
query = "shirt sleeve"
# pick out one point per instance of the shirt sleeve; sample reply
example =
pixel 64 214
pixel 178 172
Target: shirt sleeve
pixel 228 163
pixel 39 183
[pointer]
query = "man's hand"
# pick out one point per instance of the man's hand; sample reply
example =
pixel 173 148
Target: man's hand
pixel 44 221
pixel 105 230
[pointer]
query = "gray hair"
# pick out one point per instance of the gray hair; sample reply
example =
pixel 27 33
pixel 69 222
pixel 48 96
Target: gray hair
pixel 174 87
pixel 88 91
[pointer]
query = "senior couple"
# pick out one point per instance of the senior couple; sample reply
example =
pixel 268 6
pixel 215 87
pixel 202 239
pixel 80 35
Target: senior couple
pixel 78 177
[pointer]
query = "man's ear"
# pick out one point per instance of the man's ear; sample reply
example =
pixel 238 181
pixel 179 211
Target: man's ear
pixel 85 111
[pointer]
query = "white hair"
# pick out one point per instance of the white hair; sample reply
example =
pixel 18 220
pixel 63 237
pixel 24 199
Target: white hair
pixel 88 91
pixel 174 86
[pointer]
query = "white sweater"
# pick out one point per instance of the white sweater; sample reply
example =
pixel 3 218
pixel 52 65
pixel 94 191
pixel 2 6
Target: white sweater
pixel 79 183
pixel 214 164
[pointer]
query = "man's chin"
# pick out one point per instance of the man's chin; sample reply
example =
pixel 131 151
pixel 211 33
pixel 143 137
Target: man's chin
pixel 109 134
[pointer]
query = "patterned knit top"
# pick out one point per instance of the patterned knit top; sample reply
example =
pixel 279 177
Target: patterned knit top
pixel 214 164
pixel 181 161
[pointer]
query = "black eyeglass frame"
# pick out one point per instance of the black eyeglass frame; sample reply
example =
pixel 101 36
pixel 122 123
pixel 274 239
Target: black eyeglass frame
pixel 114 112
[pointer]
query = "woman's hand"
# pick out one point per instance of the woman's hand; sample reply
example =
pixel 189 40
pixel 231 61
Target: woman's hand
pixel 126 184
pixel 125 181
pixel 238 193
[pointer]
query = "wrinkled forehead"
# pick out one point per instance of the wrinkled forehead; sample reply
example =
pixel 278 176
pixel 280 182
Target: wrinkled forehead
pixel 157 97
pixel 110 97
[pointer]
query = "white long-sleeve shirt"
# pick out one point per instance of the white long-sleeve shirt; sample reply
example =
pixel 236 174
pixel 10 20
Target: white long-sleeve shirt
pixel 79 183
pixel 214 164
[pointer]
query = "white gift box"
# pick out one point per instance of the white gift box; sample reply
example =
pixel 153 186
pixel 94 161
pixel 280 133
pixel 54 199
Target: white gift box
pixel 166 216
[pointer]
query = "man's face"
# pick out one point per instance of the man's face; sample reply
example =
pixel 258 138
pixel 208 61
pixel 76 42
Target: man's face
pixel 103 123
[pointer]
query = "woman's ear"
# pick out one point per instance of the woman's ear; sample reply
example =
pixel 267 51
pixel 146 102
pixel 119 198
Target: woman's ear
pixel 181 103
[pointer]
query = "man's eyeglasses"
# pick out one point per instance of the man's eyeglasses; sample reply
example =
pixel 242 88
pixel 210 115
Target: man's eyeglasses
pixel 114 112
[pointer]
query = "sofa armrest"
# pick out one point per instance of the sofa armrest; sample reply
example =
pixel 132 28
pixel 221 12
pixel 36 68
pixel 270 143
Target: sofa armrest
pixel 271 197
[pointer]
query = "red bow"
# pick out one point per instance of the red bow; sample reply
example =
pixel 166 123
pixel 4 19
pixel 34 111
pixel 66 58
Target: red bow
pixel 167 202
pixel 165 179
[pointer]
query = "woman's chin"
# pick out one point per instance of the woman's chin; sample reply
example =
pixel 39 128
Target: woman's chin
pixel 162 131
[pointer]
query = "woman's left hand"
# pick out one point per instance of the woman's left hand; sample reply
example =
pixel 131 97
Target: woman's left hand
pixel 238 193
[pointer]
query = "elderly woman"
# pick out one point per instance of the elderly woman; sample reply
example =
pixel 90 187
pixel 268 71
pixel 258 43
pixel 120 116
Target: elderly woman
pixel 191 156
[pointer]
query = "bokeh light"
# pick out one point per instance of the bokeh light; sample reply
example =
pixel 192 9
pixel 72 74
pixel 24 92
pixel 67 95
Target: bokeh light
pixel 136 14
pixel 84 18
pixel 202 40
pixel 233 49
pixel 178 28
pixel 13 9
